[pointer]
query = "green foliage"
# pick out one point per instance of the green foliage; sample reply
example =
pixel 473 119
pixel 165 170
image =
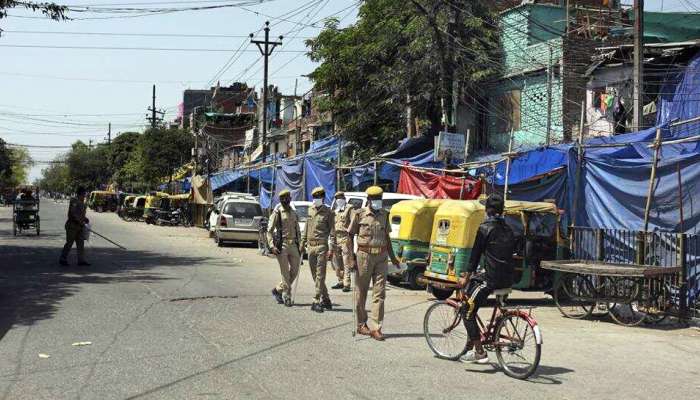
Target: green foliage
pixel 56 177
pixel 398 51
pixel 50 10
pixel 5 165
pixel 161 151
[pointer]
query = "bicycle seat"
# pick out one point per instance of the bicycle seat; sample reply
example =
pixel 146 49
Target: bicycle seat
pixel 502 295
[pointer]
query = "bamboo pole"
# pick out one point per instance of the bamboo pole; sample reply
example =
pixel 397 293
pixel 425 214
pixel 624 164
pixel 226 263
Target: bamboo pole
pixel 510 150
pixel 652 178
pixel 376 174
pixel 680 197
pixel 579 165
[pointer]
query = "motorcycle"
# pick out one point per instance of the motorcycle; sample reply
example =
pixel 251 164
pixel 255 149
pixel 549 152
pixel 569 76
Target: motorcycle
pixel 171 218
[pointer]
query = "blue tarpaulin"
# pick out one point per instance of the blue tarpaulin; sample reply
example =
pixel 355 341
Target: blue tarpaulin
pixel 320 173
pixel 223 178
pixel 531 164
pixel 680 99
pixel 390 170
pixel 289 175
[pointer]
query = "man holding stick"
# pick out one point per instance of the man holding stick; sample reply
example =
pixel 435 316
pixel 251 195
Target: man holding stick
pixel 74 228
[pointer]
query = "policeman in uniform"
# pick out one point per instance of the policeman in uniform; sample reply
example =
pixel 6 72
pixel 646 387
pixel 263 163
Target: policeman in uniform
pixel 74 228
pixel 285 219
pixel 318 230
pixel 342 252
pixel 370 228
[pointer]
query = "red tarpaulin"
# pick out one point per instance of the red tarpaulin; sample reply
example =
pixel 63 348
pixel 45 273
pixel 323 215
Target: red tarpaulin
pixel 436 186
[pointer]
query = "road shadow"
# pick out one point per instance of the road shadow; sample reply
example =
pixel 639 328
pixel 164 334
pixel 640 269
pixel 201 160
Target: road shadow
pixel 32 284
pixel 545 374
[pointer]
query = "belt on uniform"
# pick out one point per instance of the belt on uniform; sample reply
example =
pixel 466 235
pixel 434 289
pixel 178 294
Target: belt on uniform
pixel 371 249
pixel 289 241
pixel 317 242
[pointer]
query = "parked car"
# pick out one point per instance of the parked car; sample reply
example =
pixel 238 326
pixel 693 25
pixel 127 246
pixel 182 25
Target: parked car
pixel 359 199
pixel 238 220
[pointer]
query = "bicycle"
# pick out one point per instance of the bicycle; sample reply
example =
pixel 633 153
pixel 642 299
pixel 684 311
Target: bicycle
pixel 511 333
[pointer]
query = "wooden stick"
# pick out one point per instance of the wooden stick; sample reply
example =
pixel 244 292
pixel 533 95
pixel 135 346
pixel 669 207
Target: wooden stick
pixel 579 167
pixel 652 178
pixel 510 149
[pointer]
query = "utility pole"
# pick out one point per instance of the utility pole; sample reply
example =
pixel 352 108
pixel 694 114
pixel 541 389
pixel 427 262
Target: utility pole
pixel 637 101
pixel 109 134
pixel 153 119
pixel 266 47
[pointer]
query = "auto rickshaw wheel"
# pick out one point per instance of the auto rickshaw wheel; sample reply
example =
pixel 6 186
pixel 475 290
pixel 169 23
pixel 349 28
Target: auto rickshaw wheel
pixel 14 228
pixel 413 276
pixel 441 294
pixel 38 226
pixel 393 280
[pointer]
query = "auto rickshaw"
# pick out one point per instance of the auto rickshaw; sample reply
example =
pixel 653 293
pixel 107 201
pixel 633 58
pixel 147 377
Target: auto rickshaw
pixel 25 213
pixel 101 200
pixel 136 210
pixel 126 206
pixel 537 237
pixel 411 227
pixel 152 204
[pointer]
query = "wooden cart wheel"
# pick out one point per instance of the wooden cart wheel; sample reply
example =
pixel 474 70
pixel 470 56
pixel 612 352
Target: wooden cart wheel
pixel 627 312
pixel 574 296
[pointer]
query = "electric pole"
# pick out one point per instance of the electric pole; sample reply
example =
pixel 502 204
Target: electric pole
pixel 153 119
pixel 266 47
pixel 637 101
pixel 109 134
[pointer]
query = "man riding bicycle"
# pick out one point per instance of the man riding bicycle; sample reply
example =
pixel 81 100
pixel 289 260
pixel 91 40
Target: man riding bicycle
pixel 496 242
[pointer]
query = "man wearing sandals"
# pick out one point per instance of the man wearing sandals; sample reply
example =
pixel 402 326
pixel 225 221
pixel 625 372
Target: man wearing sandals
pixel 496 242
pixel 284 222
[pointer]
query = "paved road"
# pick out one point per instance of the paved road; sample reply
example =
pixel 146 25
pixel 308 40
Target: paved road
pixel 175 317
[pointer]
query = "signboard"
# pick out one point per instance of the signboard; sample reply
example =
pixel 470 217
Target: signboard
pixel 449 147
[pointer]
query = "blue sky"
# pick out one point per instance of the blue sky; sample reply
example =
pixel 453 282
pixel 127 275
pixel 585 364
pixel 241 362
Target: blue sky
pixel 72 94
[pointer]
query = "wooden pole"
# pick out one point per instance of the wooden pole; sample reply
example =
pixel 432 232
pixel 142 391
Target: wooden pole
pixel 376 174
pixel 652 178
pixel 510 150
pixel 579 166
pixel 680 196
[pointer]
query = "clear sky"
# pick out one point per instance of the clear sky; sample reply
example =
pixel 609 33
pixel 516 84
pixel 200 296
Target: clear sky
pixel 54 96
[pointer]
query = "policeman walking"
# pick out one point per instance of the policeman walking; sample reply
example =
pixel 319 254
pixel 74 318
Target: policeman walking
pixel 284 225
pixel 342 252
pixel 370 228
pixel 74 228
pixel 317 231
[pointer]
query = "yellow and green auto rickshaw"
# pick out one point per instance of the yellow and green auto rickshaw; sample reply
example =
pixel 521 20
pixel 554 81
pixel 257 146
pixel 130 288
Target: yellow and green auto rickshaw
pixel 152 204
pixel 536 226
pixel 102 200
pixel 411 227
pixel 126 206
pixel 135 212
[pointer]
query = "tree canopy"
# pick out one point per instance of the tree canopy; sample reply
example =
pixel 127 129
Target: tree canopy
pixel 50 10
pixel 401 53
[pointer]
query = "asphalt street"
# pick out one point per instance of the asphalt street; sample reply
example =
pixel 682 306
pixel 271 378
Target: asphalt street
pixel 175 317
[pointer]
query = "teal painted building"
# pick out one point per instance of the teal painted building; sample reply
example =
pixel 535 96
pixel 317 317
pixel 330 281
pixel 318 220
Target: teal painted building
pixel 532 51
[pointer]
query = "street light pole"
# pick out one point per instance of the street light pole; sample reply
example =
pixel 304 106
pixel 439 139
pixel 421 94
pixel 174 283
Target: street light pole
pixel 266 47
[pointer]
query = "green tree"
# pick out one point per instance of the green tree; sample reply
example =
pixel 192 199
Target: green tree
pixel 50 10
pixel 88 167
pixel 5 165
pixel 161 151
pixel 21 162
pixel 55 178
pixel 397 54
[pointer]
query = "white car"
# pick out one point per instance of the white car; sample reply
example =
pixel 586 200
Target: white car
pixel 216 208
pixel 302 208
pixel 238 219
pixel 359 199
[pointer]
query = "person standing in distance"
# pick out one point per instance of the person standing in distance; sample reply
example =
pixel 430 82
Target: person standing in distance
pixel 284 223
pixel 74 228
pixel 370 228
pixel 318 230
pixel 342 252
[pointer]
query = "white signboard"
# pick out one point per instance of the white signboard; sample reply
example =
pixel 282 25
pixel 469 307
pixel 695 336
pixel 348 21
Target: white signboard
pixel 449 147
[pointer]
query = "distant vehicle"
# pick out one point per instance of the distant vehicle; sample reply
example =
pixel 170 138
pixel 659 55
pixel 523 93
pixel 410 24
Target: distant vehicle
pixel 302 208
pixel 238 219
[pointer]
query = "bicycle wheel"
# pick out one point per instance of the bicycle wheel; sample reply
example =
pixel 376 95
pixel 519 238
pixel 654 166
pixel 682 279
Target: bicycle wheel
pixel 629 311
pixel 574 296
pixel 517 347
pixel 444 331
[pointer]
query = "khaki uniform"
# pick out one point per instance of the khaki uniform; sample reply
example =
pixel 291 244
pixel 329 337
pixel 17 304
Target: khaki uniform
pixel 289 257
pixel 342 252
pixel 371 230
pixel 318 229
pixel 74 229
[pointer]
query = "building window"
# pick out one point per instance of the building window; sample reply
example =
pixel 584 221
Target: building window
pixel 507 112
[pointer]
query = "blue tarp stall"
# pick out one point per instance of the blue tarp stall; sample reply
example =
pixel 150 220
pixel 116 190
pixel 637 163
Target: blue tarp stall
pixel 224 178
pixel 552 186
pixel 412 147
pixel 320 173
pixel 288 175
pixel 680 99
pixel 390 169
pixel 530 164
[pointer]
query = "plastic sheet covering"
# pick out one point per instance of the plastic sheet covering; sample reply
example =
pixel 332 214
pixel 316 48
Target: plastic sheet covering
pixel 613 191
pixel 391 169
pixel 437 186
pixel 530 164
pixel 201 191
pixel 320 173
pixel 683 99
pixel 289 175
pixel 553 186
pixel 223 178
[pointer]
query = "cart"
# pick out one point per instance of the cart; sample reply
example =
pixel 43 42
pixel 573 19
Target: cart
pixel 633 276
pixel 25 216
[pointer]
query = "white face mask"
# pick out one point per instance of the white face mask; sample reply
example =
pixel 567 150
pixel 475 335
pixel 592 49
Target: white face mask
pixel 340 204
pixel 318 202
pixel 376 204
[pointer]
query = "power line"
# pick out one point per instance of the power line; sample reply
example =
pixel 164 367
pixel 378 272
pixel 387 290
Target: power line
pixel 36 46
pixel 181 35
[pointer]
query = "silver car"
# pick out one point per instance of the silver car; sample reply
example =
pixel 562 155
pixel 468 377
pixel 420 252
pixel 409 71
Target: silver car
pixel 238 220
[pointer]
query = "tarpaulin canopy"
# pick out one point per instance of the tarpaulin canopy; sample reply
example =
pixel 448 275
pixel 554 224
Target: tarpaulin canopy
pixel 390 169
pixel 553 186
pixel 530 164
pixel 223 178
pixel 680 99
pixel 412 147
pixel 320 173
pixel 289 175
pixel 438 186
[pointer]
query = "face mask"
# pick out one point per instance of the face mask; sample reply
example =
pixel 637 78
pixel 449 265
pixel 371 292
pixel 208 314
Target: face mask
pixel 376 204
pixel 285 202
pixel 318 202
pixel 340 204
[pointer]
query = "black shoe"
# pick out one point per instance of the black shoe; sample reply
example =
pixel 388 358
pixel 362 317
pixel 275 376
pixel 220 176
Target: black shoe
pixel 327 304
pixel 84 264
pixel 277 295
pixel 338 285
pixel 63 263
pixel 317 307
pixel 288 302
pixel 347 289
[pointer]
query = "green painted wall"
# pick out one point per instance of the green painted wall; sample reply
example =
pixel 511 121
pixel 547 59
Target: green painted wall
pixel 528 33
